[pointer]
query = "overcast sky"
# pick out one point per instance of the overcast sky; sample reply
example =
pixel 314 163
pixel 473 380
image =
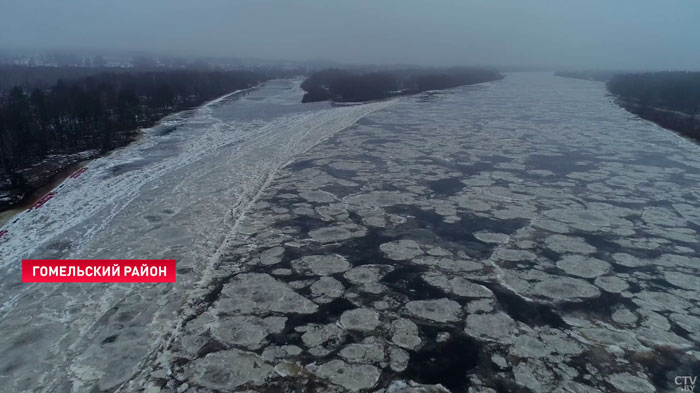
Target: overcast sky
pixel 654 34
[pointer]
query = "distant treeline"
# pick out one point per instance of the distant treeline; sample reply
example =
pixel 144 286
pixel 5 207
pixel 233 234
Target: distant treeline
pixel 676 91
pixel 346 86
pixel 670 99
pixel 30 78
pixel 100 111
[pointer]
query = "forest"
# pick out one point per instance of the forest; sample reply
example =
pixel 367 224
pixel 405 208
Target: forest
pixel 670 99
pixel 98 112
pixel 43 77
pixel 347 86
pixel 675 91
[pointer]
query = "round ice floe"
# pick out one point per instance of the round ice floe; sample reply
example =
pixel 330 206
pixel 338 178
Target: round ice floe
pixel 399 360
pixel 471 203
pixel 353 377
pixel 662 216
pixel 271 256
pixel 404 327
pixel 381 305
pixel 550 225
pixel 535 375
pixel 681 280
pixel 481 306
pixel 624 316
pixel 673 260
pixel 289 369
pixel 214 371
pixel 336 233
pixel 273 352
pixel 408 341
pixel 492 237
pixel 401 249
pixel 612 284
pixel 630 260
pixel 457 285
pixel 363 353
pixel 515 211
pixel 586 220
pixel 260 293
pixel 514 255
pixel 316 335
pixel 439 252
pixel 642 243
pixel 414 387
pixel 449 264
pixel 321 265
pixel 661 301
pixel 568 244
pixel 376 219
pixel 689 212
pixel 362 319
pixel 350 165
pixel 367 274
pixel 439 310
pixel 326 289
pixel 581 266
pixel 629 383
pixel 560 343
pixel 529 347
pixel 565 289
pixel 332 212
pixel 317 196
pixel 380 199
pixel 689 323
pixel 246 331
pixel 495 326
pixel 621 338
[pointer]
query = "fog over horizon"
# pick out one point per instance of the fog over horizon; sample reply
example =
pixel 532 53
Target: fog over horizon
pixel 602 34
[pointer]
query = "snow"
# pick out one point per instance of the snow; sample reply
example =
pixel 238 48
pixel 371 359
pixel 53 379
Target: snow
pixel 176 195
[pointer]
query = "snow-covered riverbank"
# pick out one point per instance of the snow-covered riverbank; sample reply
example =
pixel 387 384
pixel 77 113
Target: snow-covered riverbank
pixel 175 193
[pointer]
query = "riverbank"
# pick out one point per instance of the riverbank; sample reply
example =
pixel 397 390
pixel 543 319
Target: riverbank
pixel 42 131
pixel 44 186
pixel 662 98
pixel 669 99
pixel 681 123
pixel 42 177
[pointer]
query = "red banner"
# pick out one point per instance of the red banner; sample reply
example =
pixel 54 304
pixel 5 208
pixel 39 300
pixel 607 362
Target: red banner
pixel 98 270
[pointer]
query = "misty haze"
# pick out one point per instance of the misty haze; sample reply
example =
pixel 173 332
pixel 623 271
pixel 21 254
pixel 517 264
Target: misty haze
pixel 349 196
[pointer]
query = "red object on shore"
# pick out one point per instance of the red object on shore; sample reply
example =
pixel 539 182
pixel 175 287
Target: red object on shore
pixel 77 173
pixel 3 232
pixel 43 200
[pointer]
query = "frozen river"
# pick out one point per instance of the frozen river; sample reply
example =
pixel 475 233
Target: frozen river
pixel 523 235
pixel 176 193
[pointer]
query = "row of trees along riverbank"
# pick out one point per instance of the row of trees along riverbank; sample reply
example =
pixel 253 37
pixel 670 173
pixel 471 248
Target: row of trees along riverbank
pixel 346 86
pixel 670 99
pixel 99 112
